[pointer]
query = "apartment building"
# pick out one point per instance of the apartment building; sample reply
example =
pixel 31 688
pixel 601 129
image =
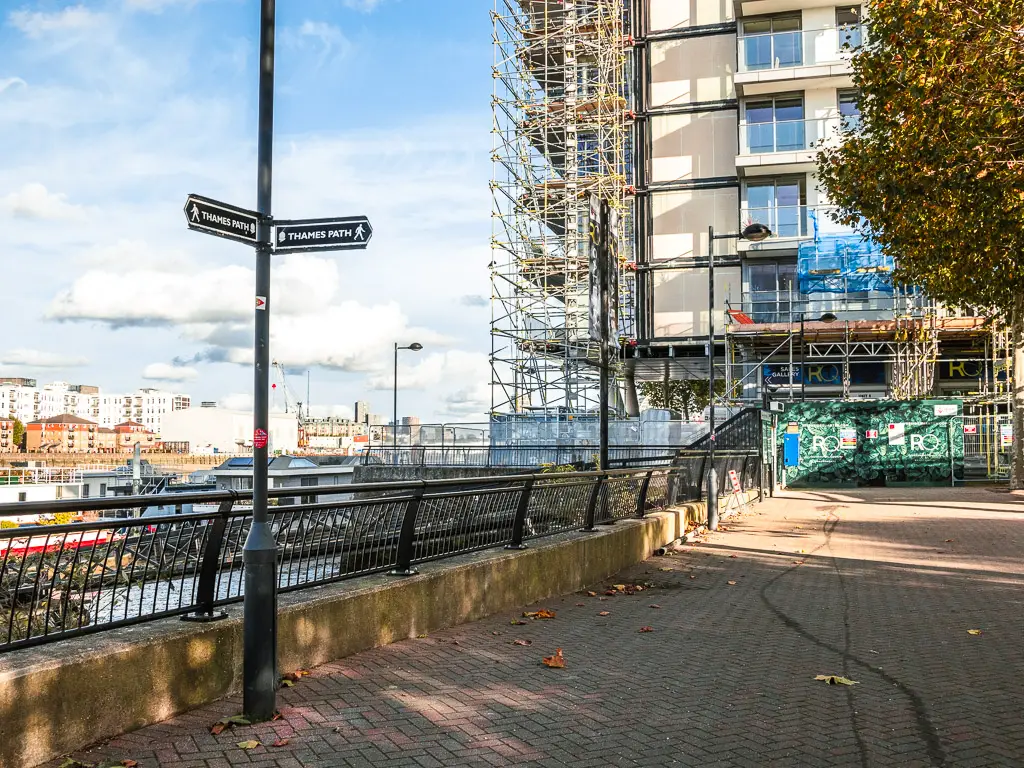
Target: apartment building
pixel 26 401
pixel 734 101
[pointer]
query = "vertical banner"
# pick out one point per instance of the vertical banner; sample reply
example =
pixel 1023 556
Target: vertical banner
pixel 612 235
pixel 593 251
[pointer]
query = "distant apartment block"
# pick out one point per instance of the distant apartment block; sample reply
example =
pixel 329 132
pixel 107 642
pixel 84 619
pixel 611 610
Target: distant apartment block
pixel 24 400
pixel 68 433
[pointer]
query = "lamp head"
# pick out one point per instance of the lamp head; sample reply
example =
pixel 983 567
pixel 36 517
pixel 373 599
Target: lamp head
pixel 755 232
pixel 828 317
pixel 415 346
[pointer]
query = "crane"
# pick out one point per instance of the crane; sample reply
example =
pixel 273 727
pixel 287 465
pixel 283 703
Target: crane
pixel 288 399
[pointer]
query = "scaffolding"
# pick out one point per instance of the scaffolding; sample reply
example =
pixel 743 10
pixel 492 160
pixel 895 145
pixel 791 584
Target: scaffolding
pixel 562 132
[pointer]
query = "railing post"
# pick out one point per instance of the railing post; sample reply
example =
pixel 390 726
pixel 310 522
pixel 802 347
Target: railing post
pixel 641 500
pixel 408 534
pixel 519 524
pixel 207 583
pixel 595 497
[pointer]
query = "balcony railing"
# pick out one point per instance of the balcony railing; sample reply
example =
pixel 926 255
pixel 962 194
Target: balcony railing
pixel 808 47
pixel 793 135
pixel 786 307
pixel 792 220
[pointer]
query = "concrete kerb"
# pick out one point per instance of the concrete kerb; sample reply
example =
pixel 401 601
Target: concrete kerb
pixel 62 697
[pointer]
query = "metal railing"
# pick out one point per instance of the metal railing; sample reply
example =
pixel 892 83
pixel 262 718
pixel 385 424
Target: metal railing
pixel 798 48
pixel 786 307
pixel 793 220
pixel 116 568
pixel 511 456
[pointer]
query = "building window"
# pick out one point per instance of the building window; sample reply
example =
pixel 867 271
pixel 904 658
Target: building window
pixel 772 291
pixel 780 204
pixel 85 491
pixel 848 23
pixel 103 489
pixel 774 124
pixel 771 43
pixel 849 108
pixel 22 496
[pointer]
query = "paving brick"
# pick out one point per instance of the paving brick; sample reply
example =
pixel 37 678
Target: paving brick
pixel 842 582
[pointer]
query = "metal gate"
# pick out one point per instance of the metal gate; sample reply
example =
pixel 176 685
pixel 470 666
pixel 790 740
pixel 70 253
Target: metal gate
pixel 988 446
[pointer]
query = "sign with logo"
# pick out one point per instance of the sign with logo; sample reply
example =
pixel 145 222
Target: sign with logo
pixel 897 434
pixel 338 234
pixel 970 429
pixel 735 480
pixel 1006 435
pixel 949 409
pixel 871 434
pixel 848 439
pixel 824 374
pixel 261 303
pixel 259 438
pixel 216 218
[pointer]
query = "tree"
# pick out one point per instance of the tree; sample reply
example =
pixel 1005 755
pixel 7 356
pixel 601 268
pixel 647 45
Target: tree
pixel 18 433
pixel 935 172
pixel 681 397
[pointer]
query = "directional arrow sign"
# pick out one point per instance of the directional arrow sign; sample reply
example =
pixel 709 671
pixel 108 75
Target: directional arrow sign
pixel 340 234
pixel 221 219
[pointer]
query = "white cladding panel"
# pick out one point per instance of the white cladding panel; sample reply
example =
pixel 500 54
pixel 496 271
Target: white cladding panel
pixel 695 69
pixel 699 145
pixel 206 428
pixel 681 300
pixel 681 221
pixel 677 14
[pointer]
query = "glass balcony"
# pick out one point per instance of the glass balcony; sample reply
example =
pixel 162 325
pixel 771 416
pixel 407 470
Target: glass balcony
pixel 792 220
pixel 808 47
pixel 787 307
pixel 789 135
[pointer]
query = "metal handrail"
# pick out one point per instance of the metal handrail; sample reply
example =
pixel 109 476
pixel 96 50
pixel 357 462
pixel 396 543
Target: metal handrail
pixel 75 578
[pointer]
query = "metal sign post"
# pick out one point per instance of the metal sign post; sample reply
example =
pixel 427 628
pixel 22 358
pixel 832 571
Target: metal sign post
pixel 256 228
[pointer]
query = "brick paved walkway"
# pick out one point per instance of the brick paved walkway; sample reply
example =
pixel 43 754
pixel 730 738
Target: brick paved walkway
pixel 879 586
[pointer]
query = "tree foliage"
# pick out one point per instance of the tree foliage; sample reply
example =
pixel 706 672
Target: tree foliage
pixel 936 170
pixel 18 433
pixel 683 398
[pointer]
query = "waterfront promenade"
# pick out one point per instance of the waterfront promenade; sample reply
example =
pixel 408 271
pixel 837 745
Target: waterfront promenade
pixel 712 663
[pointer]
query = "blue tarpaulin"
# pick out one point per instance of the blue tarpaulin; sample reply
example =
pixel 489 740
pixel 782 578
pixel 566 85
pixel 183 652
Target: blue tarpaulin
pixel 843 264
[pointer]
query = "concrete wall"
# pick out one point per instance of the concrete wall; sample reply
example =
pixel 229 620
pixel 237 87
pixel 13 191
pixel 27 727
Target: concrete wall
pixel 61 697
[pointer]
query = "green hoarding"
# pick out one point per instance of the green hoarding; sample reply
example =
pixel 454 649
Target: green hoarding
pixel 883 443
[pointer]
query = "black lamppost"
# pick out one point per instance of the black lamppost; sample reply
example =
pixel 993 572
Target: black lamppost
pixel 415 347
pixel 755 233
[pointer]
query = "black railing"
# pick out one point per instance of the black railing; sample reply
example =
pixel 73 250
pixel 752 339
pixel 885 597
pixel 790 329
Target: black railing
pixel 740 433
pixel 118 567
pixel 512 457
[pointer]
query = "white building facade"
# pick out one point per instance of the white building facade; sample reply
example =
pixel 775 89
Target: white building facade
pixel 219 430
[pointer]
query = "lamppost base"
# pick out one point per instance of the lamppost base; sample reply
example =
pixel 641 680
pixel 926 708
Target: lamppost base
pixel 205 618
pixel 403 572
pixel 712 500
pixel 516 547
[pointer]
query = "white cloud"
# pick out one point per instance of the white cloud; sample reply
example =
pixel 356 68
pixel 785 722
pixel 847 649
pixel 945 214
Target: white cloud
pixel 238 401
pixel 474 301
pixel 10 82
pixel 155 6
pixel 459 380
pixel 366 6
pixel 33 201
pixel 331 411
pixel 32 358
pixel 165 372
pixel 35 24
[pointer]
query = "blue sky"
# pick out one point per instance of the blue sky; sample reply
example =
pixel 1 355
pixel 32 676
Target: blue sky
pixel 112 111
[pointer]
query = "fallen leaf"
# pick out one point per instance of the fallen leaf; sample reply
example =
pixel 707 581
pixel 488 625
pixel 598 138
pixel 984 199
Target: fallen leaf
pixel 835 680
pixel 591 594
pixel 302 672
pixel 250 744
pixel 71 763
pixel 646 629
pixel 801 551
pixel 522 642
pixel 949 540
pixel 667 569
pixel 973 631
pixel 579 605
pixel 130 763
pixel 237 720
pixel 543 613
pixel 605 613
pixel 611 592
pixel 602 599
pixel 692 576
pixel 288 683
pixel 277 716
pixel 455 642
pixel 733 555
pixel 517 622
pixel 216 729
pixel 281 743
pixel 655 606
pixel 420 637
pixel 293 676
pixel 557 661
pixel 620 587
pixel 732 583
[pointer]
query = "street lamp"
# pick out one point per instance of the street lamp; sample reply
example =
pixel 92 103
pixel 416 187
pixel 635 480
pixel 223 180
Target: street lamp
pixel 755 233
pixel 415 347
